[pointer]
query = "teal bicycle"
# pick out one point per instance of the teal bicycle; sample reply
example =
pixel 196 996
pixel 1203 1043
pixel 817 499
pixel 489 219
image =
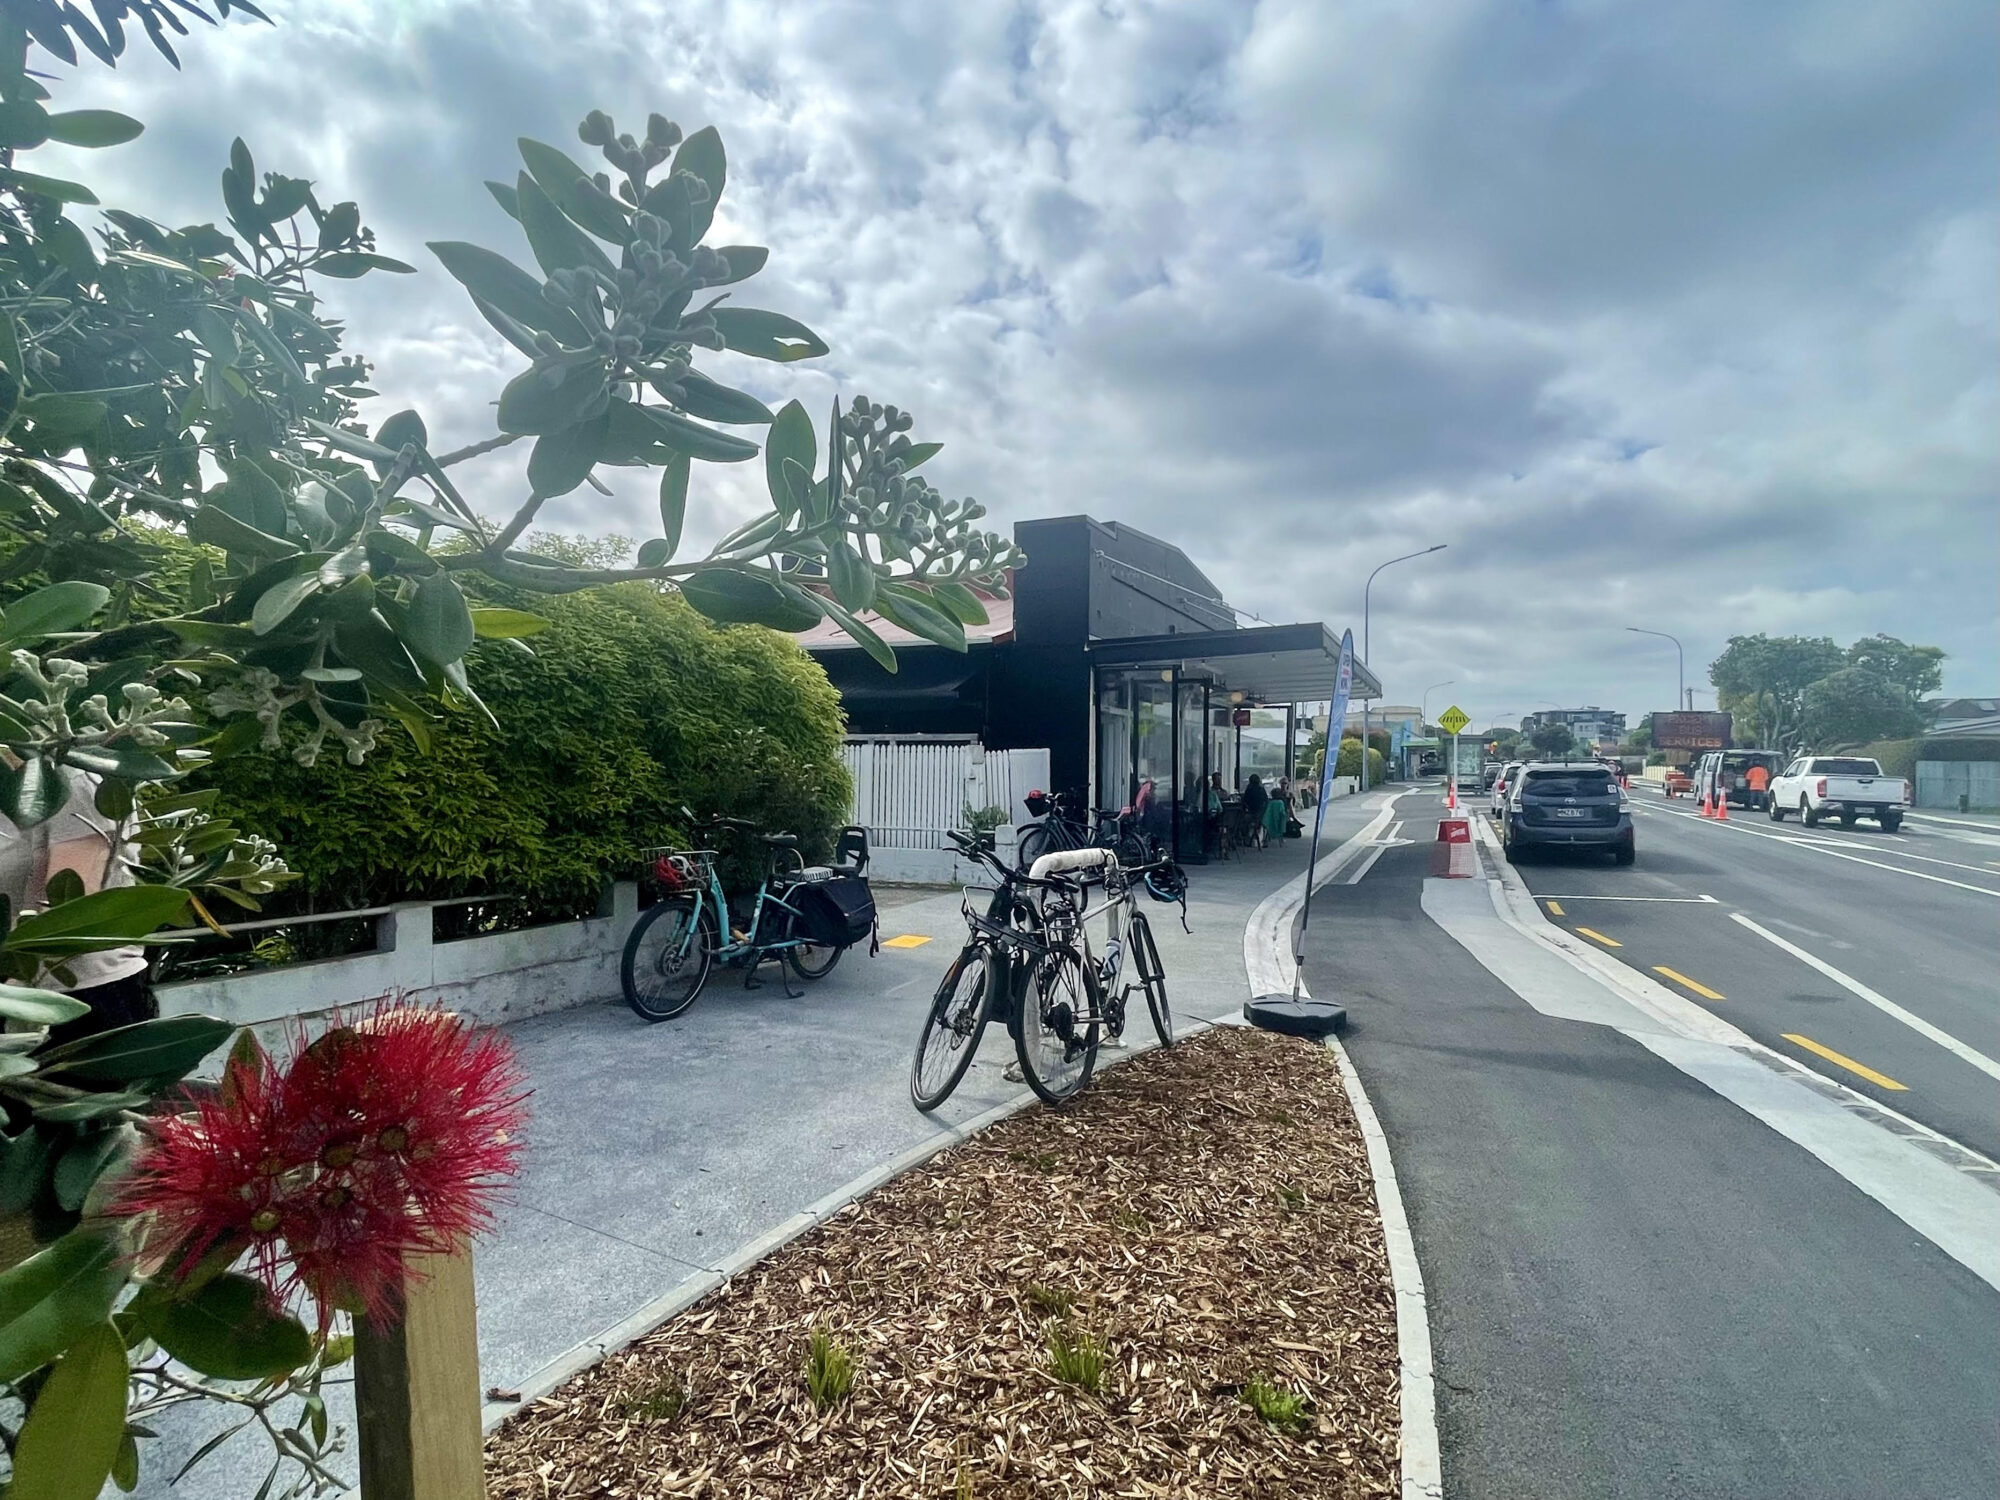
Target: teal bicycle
pixel 801 917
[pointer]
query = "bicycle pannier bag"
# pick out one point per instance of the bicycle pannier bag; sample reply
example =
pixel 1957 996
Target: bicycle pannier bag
pixel 839 912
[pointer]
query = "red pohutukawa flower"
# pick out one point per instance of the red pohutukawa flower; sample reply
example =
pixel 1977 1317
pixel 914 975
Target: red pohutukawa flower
pixel 385 1138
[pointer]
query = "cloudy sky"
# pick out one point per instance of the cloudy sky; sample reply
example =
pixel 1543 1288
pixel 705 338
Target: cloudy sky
pixel 1674 316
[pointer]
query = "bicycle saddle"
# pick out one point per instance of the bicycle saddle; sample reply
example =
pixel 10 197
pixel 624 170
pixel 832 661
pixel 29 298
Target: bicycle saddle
pixel 1071 859
pixel 780 840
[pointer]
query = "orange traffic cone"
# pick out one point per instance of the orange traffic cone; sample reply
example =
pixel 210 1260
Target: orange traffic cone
pixel 1721 805
pixel 1703 806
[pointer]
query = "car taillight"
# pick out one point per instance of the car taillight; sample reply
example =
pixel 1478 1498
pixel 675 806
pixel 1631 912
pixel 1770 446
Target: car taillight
pixel 1820 790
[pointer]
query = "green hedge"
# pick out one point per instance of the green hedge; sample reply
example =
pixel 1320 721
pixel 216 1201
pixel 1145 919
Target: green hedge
pixel 1896 757
pixel 631 706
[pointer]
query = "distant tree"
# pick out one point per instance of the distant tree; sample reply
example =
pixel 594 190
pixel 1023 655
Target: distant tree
pixel 1640 739
pixel 1762 680
pixel 1855 706
pixel 1553 740
pixel 1917 670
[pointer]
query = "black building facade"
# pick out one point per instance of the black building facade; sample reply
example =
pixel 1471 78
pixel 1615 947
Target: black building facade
pixel 1119 657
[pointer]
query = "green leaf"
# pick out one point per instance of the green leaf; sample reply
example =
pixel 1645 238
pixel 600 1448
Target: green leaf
pixel 702 154
pixel 253 497
pixel 33 1007
pixel 655 553
pixel 504 195
pixel 673 505
pixel 33 794
pixel 863 635
pixel 506 624
pixel 125 1467
pixel 901 605
pixel 563 459
pixel 92 1107
pixel 745 261
pixel 231 1329
pixel 73 1432
pixel 699 396
pixel 558 244
pixel 920 454
pixel 94 128
pixel 48 187
pixel 571 189
pixel 961 602
pixel 50 610
pixel 791 436
pixel 86 1161
pixel 24 1166
pixel 658 425
pixel 276 604
pixel 368 643
pixel 497 280
pixel 348 265
pixel 530 404
pixel 54 1296
pixel 733 597
pixel 142 1052
pixel 127 761
pixel 101 919
pixel 24 125
pixel 61 418
pixel 218 528
pixel 766 335
pixel 440 625
pixel 852 576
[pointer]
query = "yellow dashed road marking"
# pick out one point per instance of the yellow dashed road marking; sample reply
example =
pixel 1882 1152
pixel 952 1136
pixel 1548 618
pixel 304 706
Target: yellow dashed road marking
pixel 1556 908
pixel 1600 938
pixel 907 940
pixel 1862 1070
pixel 1679 978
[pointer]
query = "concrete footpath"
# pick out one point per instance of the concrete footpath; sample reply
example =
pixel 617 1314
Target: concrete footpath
pixel 658 1152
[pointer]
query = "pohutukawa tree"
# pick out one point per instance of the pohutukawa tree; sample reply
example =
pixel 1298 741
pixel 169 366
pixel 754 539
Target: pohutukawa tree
pixel 193 378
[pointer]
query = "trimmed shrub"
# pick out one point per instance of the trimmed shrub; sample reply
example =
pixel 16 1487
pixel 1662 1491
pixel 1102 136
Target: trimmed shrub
pixel 1959 747
pixel 1896 757
pixel 631 706
pixel 1348 763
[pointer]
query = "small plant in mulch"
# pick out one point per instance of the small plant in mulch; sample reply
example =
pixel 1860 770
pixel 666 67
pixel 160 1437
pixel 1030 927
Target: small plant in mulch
pixel 660 1402
pixel 829 1370
pixel 1279 1407
pixel 1042 1161
pixel 1292 1196
pixel 1075 1357
pixel 1131 1221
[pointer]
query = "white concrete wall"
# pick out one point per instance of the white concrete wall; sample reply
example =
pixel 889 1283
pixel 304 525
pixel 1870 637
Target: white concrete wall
pixel 486 979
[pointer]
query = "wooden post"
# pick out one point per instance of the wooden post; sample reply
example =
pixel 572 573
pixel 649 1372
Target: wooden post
pixel 417 1390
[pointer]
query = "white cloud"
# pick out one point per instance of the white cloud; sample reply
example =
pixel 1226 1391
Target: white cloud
pixel 1680 317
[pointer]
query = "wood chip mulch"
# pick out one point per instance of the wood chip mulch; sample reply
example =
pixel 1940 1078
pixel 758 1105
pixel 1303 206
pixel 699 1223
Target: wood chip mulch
pixel 1204 1215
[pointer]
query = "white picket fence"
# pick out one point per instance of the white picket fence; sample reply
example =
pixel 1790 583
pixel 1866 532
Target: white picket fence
pixel 909 789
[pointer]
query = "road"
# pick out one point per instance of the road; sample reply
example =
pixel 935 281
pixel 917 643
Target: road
pixel 1638 1283
pixel 1911 919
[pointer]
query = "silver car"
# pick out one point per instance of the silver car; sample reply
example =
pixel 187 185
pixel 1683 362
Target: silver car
pixel 1501 783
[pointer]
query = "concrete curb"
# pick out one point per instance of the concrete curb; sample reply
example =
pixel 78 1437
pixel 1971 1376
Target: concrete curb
pixel 1422 1464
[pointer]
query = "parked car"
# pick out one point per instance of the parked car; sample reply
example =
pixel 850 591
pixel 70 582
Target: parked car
pixel 1500 784
pixel 1849 787
pixel 1677 783
pixel 1728 773
pixel 1567 805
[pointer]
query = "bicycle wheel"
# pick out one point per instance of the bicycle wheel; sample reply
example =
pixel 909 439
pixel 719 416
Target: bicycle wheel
pixel 667 957
pixel 1056 1039
pixel 1034 842
pixel 1146 964
pixel 813 960
pixel 952 1028
pixel 1131 850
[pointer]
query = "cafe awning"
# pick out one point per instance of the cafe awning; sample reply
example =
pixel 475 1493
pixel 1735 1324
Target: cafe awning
pixel 1268 664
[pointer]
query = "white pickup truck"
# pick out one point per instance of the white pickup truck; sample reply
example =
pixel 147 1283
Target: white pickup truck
pixel 1843 786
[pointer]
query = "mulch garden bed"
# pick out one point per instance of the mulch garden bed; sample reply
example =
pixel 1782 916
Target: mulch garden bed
pixel 1202 1219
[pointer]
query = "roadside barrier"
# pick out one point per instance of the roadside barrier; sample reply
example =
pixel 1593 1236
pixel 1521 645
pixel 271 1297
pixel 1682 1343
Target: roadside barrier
pixel 1452 857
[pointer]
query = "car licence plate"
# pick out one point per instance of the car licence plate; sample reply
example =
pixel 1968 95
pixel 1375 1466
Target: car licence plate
pixel 1572 812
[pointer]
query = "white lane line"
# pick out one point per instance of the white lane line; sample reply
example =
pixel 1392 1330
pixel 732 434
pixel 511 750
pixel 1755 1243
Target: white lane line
pixel 1670 900
pixel 1820 848
pixel 1881 1002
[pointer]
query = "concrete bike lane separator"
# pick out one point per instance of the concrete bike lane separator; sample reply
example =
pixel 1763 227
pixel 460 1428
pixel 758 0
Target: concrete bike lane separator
pixel 1635 1287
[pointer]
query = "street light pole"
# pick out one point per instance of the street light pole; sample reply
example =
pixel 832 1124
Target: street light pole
pixel 1680 663
pixel 1424 712
pixel 1365 588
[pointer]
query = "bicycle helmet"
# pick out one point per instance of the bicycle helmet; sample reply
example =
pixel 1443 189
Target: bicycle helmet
pixel 1169 884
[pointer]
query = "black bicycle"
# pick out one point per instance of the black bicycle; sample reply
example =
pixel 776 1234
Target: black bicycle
pixel 1067 824
pixel 1013 968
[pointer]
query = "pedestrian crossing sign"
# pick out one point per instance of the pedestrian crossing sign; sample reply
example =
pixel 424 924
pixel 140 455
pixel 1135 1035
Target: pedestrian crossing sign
pixel 1453 720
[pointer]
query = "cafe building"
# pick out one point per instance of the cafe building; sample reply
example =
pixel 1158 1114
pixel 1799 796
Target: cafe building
pixel 1115 654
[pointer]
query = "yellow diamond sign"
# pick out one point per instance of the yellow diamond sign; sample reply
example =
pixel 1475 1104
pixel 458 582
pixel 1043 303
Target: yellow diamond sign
pixel 1453 720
